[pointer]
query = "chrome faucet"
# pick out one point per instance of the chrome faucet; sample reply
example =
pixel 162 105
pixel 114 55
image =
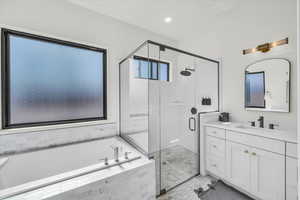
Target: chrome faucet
pixel 261 121
pixel 116 153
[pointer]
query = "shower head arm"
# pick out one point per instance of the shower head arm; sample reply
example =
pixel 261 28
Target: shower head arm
pixel 189 69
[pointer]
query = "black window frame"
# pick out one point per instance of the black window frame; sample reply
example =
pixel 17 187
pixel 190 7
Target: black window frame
pixel 5 74
pixel 151 61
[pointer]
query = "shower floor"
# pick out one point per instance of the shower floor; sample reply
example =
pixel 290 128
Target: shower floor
pixel 178 164
pixel 186 191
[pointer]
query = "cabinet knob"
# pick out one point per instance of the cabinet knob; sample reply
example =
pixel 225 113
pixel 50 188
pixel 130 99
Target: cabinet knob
pixel 214 146
pixel 253 153
pixel 246 151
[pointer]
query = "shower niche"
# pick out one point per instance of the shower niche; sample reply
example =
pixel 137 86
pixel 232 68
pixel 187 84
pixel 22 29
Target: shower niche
pixel 159 87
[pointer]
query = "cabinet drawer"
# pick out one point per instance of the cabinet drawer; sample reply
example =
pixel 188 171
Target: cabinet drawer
pixel 256 141
pixel 216 166
pixel 216 132
pixel 291 150
pixel 215 146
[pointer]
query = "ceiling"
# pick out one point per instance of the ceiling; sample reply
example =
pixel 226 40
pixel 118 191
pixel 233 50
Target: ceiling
pixel 189 16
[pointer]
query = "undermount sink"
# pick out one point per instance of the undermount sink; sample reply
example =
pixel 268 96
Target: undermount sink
pixel 244 126
pixel 265 130
pixel 248 127
pixel 234 125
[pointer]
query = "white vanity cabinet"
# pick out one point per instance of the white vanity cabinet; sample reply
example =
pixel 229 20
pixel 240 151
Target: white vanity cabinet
pixel 267 175
pixel 258 165
pixel 238 165
pixel 257 171
pixel 216 156
pixel 291 171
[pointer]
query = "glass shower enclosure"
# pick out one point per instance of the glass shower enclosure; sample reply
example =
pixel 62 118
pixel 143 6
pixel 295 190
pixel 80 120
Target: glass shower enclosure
pixel 163 91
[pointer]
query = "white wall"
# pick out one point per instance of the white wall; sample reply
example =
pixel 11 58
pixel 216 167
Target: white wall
pixel 248 25
pixel 298 84
pixel 66 21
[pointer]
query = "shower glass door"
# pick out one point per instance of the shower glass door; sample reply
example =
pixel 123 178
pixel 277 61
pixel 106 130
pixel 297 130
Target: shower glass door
pixel 160 86
pixel 179 138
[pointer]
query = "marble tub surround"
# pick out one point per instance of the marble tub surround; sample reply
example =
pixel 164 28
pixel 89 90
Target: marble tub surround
pixel 11 143
pixel 28 171
pixel 133 180
pixel 281 135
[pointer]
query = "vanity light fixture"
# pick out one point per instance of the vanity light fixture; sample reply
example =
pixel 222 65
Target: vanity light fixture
pixel 266 47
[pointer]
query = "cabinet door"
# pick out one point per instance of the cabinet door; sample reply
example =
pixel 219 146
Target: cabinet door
pixel 238 165
pixel 267 175
pixel 291 178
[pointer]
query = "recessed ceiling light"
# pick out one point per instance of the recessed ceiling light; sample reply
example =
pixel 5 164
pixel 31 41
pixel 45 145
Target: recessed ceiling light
pixel 168 19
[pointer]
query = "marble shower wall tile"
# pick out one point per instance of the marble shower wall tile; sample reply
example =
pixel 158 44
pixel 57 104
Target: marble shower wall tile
pixel 22 142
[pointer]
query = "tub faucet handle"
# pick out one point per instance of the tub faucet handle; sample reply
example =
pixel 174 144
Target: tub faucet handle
pixel 252 123
pixel 271 126
pixel 105 160
pixel 126 154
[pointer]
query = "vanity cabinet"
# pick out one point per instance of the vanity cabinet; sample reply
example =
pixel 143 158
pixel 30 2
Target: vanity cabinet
pixel 258 165
pixel 257 171
pixel 216 156
pixel 291 172
pixel 238 165
pixel 267 175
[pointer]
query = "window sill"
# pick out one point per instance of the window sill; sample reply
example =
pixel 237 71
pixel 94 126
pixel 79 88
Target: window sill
pixel 53 127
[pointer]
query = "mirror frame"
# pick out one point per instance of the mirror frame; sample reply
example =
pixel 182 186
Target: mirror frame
pixel 289 90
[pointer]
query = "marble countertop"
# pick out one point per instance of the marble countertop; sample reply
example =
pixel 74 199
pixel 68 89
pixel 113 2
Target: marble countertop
pixel 286 136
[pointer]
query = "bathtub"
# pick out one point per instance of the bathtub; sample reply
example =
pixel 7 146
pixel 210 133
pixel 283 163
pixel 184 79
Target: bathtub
pixel 26 172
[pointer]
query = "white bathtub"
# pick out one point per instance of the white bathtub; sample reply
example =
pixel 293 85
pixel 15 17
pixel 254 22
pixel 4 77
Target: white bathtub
pixel 29 171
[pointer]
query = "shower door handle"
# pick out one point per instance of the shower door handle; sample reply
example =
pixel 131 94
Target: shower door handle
pixel 190 124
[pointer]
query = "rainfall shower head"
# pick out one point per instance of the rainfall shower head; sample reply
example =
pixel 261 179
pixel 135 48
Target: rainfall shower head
pixel 187 72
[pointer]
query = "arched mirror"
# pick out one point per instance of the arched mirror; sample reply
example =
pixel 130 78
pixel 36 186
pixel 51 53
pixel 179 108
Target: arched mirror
pixel 267 85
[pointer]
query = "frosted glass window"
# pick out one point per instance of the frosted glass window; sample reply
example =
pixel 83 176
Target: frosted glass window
pixel 255 90
pixel 53 82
